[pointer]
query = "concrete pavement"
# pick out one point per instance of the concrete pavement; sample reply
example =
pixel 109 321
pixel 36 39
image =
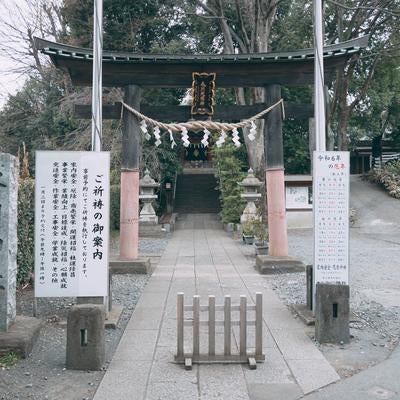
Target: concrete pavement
pixel 202 259
pixel 379 382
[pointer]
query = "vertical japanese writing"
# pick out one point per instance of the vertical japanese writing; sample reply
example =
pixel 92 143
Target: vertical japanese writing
pixel 42 235
pixel 55 223
pixel 331 217
pixel 72 219
pixel 71 224
pixel 85 189
pixel 64 226
pixel 98 226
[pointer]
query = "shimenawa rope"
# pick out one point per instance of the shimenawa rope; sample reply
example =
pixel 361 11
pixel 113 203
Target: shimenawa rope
pixel 200 125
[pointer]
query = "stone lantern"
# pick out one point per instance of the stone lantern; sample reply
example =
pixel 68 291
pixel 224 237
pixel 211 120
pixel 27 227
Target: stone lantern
pixel 250 186
pixel 147 186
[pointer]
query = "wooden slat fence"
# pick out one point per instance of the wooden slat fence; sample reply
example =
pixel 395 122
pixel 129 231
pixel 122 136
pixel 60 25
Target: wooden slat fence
pixel 225 355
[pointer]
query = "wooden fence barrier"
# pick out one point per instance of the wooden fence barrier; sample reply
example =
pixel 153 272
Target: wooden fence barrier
pixel 211 308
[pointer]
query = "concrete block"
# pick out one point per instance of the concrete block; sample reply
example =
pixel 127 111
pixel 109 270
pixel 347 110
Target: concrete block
pixel 85 337
pixel 278 265
pixel 8 239
pixel 332 313
pixel 21 336
pixel 140 265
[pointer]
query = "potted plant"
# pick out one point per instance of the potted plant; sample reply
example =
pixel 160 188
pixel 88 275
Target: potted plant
pixel 261 237
pixel 248 232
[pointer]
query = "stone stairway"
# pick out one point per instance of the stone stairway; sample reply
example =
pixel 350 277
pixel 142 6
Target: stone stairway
pixel 196 193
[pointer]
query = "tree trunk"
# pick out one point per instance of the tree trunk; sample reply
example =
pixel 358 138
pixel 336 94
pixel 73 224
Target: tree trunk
pixel 343 124
pixel 249 32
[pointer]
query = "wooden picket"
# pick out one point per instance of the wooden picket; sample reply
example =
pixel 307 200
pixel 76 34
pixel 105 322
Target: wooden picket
pixel 211 308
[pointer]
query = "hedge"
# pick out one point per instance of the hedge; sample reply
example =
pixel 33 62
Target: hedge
pixel 26 227
pixel 229 171
pixel 389 177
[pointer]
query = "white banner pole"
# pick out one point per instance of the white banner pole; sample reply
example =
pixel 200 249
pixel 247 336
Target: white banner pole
pixel 319 102
pixel 97 75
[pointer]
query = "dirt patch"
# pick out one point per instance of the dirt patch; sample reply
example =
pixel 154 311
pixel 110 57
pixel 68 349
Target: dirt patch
pixel 43 375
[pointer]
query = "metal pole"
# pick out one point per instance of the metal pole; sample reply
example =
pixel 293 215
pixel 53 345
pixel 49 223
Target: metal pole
pixel 180 325
pixel 97 117
pixel 319 103
pixel 97 75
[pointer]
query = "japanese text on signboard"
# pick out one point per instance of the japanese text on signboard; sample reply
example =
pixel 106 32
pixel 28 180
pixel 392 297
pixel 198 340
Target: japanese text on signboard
pixel 331 217
pixel 71 233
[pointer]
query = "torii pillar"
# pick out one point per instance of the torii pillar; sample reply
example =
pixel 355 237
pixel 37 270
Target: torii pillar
pixel 278 259
pixel 131 148
pixel 275 175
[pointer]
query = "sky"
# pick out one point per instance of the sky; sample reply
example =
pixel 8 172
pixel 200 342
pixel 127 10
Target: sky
pixel 9 82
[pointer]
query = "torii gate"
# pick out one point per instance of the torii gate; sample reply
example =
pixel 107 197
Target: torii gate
pixel 133 71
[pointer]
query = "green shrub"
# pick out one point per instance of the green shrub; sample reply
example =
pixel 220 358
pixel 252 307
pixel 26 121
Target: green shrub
pixel 230 170
pixel 389 177
pixel 115 200
pixel 257 228
pixel 26 226
pixel 9 359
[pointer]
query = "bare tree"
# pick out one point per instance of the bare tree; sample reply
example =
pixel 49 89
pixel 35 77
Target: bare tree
pixel 246 28
pixel 380 20
pixel 20 22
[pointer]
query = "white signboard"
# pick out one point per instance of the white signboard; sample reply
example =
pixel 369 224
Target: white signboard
pixel 331 217
pixel 71 223
pixel 297 197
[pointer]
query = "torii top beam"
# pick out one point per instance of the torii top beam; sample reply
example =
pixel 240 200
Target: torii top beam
pixel 233 70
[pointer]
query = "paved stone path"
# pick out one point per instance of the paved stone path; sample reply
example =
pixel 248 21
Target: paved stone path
pixel 201 259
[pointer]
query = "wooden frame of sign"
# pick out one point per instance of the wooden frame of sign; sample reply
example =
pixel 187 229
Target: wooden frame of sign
pixel 203 92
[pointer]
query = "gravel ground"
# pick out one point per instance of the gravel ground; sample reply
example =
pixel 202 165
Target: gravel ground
pixel 43 376
pixel 147 246
pixel 375 330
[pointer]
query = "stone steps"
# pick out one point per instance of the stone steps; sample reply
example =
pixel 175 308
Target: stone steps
pixel 196 193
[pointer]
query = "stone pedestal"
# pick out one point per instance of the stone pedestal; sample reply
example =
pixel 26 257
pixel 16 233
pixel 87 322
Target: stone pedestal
pixel 267 265
pixel 21 336
pixel 85 337
pixel 140 265
pixel 8 239
pixel 332 313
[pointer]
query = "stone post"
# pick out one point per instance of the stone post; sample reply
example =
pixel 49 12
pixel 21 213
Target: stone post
pixel 8 238
pixel 85 337
pixel 332 313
